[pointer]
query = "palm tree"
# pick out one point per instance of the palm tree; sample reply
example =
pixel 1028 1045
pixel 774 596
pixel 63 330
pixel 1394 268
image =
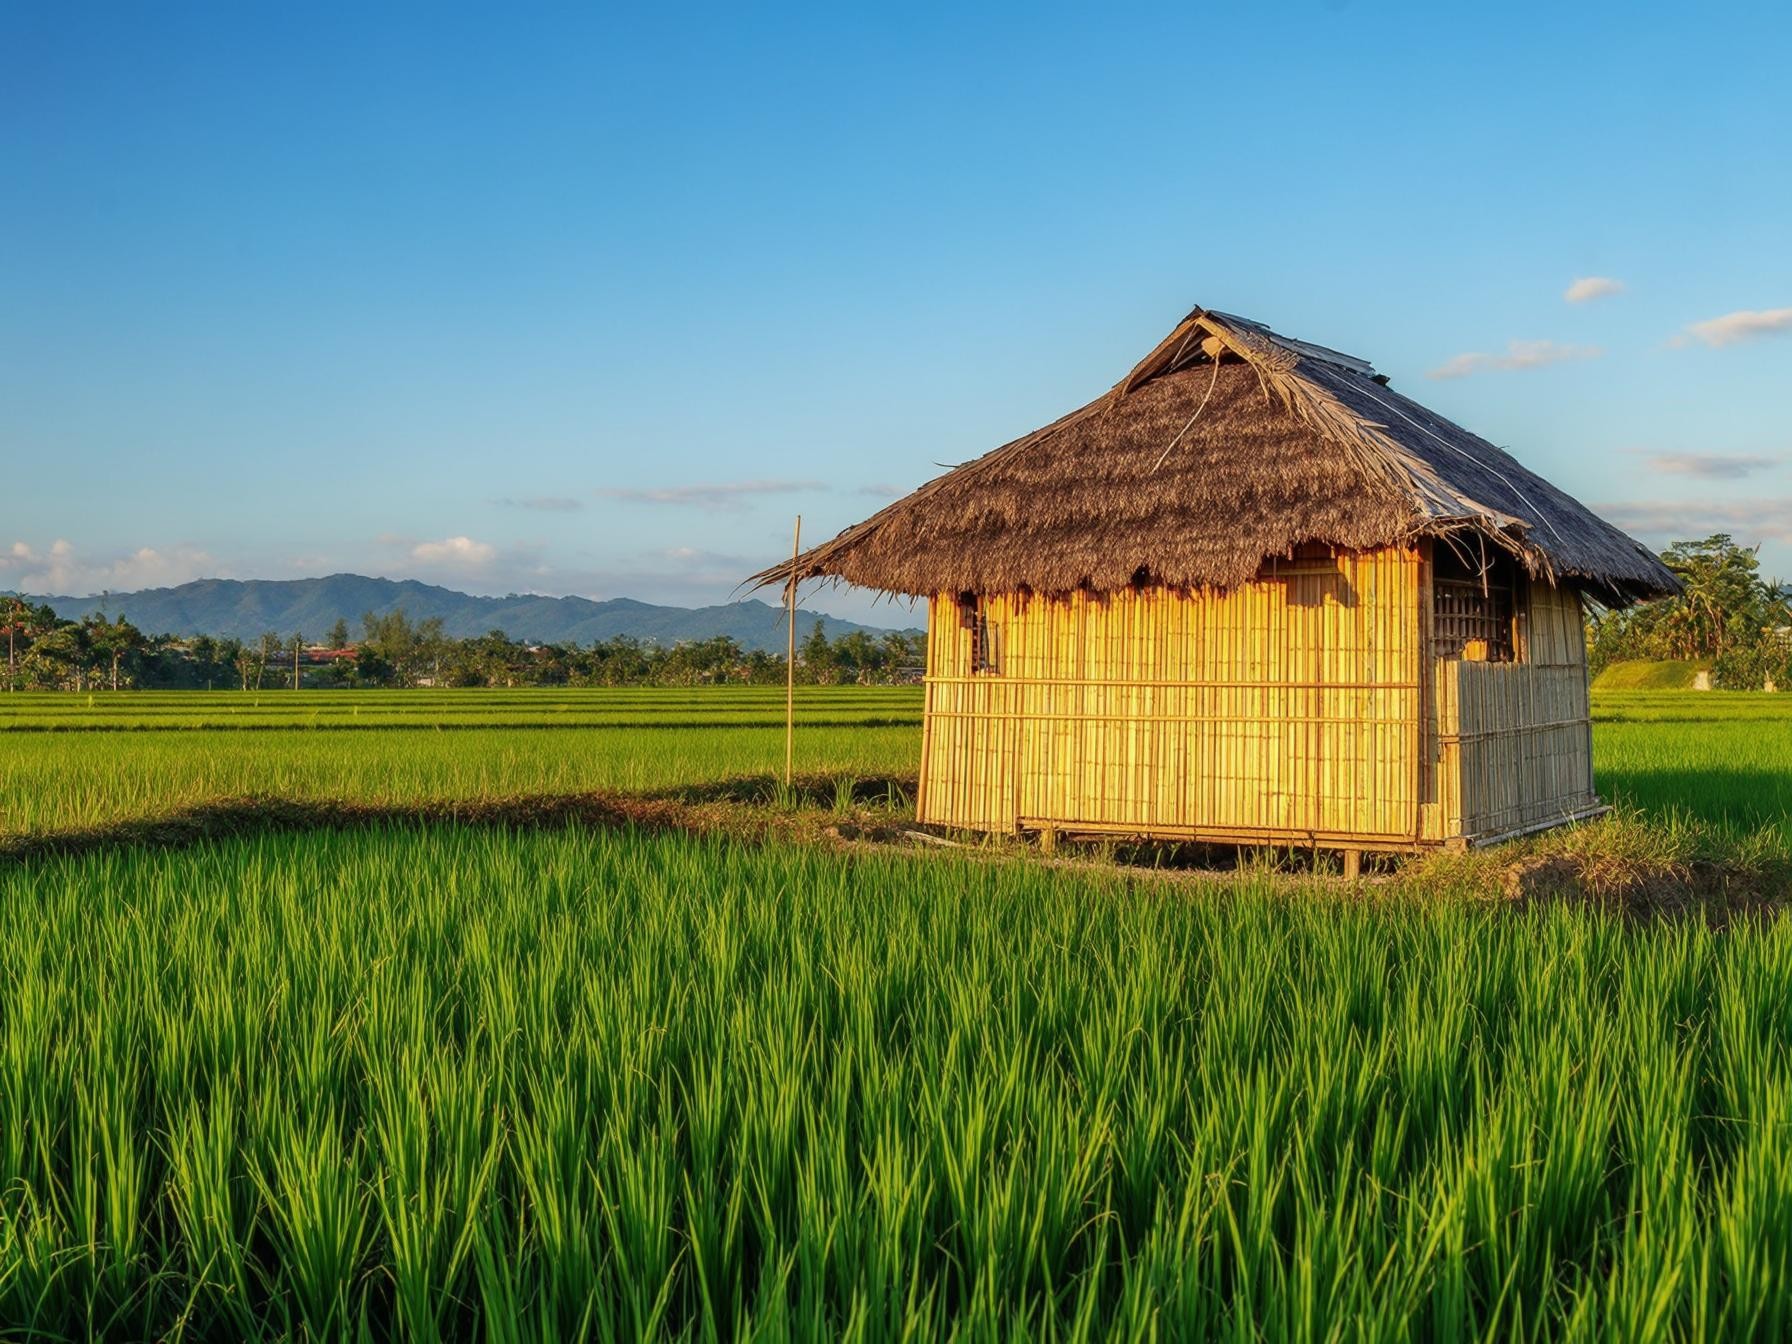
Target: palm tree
pixel 16 613
pixel 266 647
pixel 121 637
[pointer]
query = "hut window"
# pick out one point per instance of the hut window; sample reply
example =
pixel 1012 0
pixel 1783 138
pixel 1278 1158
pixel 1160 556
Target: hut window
pixel 1474 608
pixel 986 636
pixel 986 645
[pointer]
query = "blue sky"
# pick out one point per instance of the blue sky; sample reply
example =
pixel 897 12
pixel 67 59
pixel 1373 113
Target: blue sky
pixel 594 300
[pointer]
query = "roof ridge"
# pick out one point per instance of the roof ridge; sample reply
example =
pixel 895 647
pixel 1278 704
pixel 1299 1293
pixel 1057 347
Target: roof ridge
pixel 1300 348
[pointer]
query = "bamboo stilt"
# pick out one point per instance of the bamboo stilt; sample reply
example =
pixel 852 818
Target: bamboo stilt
pixel 796 549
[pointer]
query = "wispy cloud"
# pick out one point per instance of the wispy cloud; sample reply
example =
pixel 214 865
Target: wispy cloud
pixel 455 552
pixel 1586 288
pixel 708 495
pixel 1714 466
pixel 1519 355
pixel 542 504
pixel 1748 520
pixel 1745 324
pixel 683 575
pixel 465 563
pixel 882 491
pixel 60 570
pixel 720 561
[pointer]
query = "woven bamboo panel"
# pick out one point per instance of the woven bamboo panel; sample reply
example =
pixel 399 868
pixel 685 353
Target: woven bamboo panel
pixel 1524 730
pixel 1290 707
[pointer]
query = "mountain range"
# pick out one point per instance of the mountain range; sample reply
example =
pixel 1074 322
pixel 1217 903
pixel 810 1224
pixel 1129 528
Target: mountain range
pixel 246 608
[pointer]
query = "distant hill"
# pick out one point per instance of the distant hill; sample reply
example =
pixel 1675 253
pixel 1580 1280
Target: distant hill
pixel 247 607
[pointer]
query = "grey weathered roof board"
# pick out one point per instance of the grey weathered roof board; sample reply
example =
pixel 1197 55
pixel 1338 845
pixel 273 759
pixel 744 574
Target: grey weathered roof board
pixel 1226 446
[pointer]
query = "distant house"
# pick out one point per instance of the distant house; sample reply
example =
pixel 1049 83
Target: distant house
pixel 1250 595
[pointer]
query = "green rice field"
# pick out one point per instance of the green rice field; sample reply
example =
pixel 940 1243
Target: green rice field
pixel 453 1081
pixel 1719 759
pixel 80 761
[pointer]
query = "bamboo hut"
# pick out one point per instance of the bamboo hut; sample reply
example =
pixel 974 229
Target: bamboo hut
pixel 1250 595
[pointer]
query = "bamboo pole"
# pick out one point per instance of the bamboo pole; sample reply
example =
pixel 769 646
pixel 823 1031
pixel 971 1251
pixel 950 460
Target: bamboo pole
pixel 796 549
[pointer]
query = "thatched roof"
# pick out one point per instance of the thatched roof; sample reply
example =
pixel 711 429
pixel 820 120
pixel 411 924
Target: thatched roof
pixel 1227 445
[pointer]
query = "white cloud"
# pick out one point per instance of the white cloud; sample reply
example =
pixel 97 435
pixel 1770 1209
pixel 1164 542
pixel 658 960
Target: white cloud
pixel 1717 466
pixel 147 567
pixel 1589 287
pixel 1743 325
pixel 44 572
pixel 1519 355
pixel 458 552
pixel 708 495
pixel 60 571
pixel 1663 520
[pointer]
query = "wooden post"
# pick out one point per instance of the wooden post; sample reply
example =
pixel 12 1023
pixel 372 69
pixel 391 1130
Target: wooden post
pixel 796 549
pixel 1353 864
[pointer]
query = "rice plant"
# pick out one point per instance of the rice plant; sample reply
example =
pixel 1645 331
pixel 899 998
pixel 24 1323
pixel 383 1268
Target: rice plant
pixel 443 1083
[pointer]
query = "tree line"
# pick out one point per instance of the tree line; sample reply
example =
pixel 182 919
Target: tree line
pixel 1728 616
pixel 47 652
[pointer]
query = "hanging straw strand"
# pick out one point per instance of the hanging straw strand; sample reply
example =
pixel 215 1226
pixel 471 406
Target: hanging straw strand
pixel 1191 420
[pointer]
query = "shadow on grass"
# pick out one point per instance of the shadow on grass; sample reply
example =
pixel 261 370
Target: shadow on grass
pixel 1738 800
pixel 233 818
pixel 749 808
pixel 803 791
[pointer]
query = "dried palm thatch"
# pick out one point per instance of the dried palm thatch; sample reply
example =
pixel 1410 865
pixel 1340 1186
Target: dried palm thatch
pixel 1226 446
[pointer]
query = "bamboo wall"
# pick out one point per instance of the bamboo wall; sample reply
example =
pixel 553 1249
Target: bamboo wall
pixel 1514 740
pixel 1291 708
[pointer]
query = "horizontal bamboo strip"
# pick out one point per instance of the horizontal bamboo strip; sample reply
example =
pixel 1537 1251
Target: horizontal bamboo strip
pixel 1186 685
pixel 1587 813
pixel 1120 716
pixel 1488 733
pixel 1220 835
